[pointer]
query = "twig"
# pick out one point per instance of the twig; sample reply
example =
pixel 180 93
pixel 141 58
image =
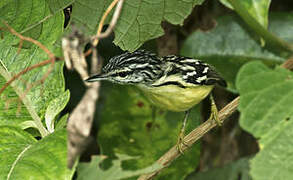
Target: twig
pixel 192 137
pixel 112 24
pixel 198 132
pixel 99 35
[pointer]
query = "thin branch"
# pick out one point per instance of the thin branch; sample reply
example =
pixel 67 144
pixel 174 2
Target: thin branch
pixel 192 137
pixel 113 22
pixel 200 131
pixel 99 35
pixel 115 17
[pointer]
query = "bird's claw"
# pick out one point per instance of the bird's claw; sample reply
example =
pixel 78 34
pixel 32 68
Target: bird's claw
pixel 214 113
pixel 181 143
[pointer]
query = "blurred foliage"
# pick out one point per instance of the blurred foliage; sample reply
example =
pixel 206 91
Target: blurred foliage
pixel 92 170
pixel 258 9
pixel 127 127
pixel 230 44
pixel 267 114
pixel 238 169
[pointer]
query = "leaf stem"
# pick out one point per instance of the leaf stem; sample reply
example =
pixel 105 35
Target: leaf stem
pixel 258 28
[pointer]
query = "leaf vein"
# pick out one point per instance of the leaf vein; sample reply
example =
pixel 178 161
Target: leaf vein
pixel 16 160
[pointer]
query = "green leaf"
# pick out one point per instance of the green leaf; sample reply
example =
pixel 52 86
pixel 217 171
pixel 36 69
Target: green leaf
pixel 54 108
pixel 235 170
pixel 22 157
pixel 33 18
pixel 139 20
pixel 257 9
pixel 12 112
pixel 56 5
pixel 28 124
pixel 126 127
pixel 265 106
pixel 273 161
pixel 266 97
pixel 62 122
pixel 92 170
pixel 229 45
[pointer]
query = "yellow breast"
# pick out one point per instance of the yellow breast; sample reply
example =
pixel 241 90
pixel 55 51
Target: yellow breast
pixel 174 98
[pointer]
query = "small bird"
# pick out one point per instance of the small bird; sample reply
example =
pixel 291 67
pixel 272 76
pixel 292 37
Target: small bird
pixel 171 82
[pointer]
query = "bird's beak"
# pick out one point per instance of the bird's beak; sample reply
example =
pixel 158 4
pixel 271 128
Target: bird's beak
pixel 97 77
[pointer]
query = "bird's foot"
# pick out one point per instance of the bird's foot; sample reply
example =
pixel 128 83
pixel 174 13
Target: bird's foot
pixel 181 142
pixel 214 113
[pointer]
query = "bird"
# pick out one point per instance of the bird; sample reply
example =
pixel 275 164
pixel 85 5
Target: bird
pixel 172 82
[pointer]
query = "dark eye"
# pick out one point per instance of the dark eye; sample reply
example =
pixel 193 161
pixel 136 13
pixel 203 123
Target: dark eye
pixel 122 74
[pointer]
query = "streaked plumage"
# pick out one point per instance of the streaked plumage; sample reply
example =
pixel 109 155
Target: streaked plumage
pixel 171 82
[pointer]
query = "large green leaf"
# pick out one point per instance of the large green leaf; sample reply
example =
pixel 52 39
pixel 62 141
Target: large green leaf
pixel 35 19
pixel 92 170
pixel 39 19
pixel 125 128
pixel 274 160
pixel 257 9
pixel 22 157
pixel 236 170
pixel 266 112
pixel 139 21
pixel 229 45
pixel 266 97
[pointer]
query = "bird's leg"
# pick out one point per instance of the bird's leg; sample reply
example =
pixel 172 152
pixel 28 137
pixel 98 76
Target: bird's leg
pixel 214 112
pixel 180 141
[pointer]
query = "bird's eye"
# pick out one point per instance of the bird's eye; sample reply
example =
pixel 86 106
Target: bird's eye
pixel 122 74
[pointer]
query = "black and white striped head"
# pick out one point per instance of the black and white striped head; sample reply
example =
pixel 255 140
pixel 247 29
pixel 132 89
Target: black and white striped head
pixel 139 67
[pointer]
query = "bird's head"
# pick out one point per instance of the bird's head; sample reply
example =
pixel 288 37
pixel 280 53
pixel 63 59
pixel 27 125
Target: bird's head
pixel 139 67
